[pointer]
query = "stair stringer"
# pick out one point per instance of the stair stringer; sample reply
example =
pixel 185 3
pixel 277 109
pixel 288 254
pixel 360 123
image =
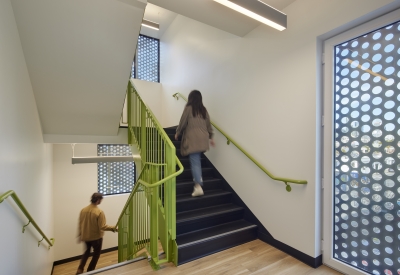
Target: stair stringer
pixel 262 233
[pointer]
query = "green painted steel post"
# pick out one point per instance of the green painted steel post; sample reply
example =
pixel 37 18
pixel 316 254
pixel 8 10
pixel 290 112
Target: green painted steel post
pixel 169 201
pixel 143 133
pixel 128 99
pixel 154 219
pixel 131 239
pixel 119 242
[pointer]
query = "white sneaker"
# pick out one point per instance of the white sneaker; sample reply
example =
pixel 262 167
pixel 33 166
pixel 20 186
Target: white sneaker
pixel 197 190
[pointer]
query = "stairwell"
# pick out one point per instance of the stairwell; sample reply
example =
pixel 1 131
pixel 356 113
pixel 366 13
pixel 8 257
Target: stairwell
pixel 210 223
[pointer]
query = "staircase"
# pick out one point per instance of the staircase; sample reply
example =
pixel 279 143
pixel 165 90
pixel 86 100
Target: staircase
pixel 210 223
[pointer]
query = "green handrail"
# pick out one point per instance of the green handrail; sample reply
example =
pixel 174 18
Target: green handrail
pixel 150 185
pixel 230 140
pixel 13 195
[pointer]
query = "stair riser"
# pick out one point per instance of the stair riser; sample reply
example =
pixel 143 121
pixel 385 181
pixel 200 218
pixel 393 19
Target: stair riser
pixel 201 202
pixel 187 188
pixel 171 134
pixel 177 143
pixel 202 223
pixel 186 163
pixel 187 175
pixel 170 131
pixel 178 153
pixel 195 251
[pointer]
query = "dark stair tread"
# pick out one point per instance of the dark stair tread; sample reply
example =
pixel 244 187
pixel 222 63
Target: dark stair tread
pixel 190 181
pixel 202 156
pixel 202 169
pixel 209 194
pixel 213 232
pixel 206 212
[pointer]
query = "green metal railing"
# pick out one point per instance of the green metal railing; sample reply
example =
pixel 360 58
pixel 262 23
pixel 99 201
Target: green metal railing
pixel 21 206
pixel 230 140
pixel 149 215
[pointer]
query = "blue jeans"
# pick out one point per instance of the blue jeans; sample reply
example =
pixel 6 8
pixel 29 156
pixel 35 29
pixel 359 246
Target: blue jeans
pixel 195 165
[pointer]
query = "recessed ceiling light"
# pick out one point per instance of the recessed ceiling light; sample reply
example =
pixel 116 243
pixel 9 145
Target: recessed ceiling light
pixel 150 24
pixel 259 11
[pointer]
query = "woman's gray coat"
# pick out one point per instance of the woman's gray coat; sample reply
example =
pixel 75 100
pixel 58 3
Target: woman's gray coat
pixel 195 131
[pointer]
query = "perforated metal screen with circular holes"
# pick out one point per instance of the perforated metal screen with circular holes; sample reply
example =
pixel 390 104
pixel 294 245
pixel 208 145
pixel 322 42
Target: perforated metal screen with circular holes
pixel 367 152
pixel 115 177
pixel 147 60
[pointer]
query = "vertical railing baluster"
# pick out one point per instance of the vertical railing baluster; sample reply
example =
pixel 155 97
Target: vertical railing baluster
pixel 139 226
pixel 143 134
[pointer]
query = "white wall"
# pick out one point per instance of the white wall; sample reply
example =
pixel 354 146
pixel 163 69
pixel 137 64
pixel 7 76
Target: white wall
pixel 262 89
pixel 73 187
pixel 25 161
pixel 151 94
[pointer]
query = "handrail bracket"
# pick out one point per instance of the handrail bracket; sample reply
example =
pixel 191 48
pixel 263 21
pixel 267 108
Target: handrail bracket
pixel 23 228
pixel 288 187
pixel 40 242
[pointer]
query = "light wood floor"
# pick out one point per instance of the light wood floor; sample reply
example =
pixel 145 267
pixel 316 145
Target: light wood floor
pixel 255 257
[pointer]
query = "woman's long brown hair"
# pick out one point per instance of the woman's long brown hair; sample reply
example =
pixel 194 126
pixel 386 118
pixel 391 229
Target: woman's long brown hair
pixel 196 101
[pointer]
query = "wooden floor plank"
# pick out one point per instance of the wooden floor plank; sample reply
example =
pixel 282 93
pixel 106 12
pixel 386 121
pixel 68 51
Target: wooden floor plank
pixel 255 257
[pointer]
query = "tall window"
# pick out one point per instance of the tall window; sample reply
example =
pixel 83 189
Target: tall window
pixel 367 167
pixel 147 59
pixel 115 177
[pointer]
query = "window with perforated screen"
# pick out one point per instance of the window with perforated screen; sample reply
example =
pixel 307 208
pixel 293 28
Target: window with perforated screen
pixel 367 152
pixel 115 177
pixel 147 60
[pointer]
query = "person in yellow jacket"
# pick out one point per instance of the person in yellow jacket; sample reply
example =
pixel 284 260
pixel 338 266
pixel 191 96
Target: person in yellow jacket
pixel 92 224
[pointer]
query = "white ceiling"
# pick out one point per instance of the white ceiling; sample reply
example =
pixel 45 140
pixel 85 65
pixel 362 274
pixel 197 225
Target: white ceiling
pixel 157 14
pixel 79 55
pixel 212 13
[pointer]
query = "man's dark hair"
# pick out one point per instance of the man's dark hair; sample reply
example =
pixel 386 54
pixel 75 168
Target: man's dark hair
pixel 96 197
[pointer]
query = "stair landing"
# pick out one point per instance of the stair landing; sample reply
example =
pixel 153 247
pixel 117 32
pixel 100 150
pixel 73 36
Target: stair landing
pixel 255 257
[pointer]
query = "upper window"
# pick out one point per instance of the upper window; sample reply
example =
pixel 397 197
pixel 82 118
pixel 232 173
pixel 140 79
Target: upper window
pixel 115 177
pixel 146 65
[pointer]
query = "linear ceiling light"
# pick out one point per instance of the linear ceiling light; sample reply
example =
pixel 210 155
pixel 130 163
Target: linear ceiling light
pixel 150 24
pixel 97 159
pixel 258 10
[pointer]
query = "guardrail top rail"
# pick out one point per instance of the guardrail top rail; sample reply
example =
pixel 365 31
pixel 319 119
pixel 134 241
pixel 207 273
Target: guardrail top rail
pixel 230 140
pixel 13 195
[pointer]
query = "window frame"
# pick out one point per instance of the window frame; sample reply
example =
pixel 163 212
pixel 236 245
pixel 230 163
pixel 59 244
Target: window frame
pixel 135 61
pixel 328 135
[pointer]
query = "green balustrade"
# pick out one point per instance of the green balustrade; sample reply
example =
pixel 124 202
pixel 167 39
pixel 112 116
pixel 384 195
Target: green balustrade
pixel 21 206
pixel 148 218
pixel 230 140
